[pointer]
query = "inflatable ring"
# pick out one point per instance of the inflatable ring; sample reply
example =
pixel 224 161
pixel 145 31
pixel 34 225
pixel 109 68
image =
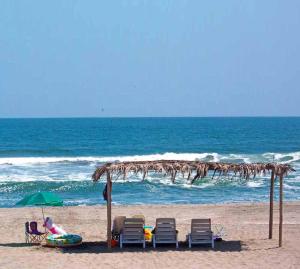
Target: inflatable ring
pixel 67 240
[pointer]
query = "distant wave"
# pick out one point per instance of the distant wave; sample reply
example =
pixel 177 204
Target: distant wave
pixel 30 177
pixel 29 152
pixel 213 157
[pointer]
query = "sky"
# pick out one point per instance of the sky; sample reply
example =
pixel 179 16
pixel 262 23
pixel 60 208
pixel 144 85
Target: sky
pixel 149 58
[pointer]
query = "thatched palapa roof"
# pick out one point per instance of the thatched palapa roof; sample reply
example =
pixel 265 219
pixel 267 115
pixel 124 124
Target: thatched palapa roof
pixel 191 170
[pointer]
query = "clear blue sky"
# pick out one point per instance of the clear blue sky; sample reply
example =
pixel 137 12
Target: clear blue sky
pixel 149 58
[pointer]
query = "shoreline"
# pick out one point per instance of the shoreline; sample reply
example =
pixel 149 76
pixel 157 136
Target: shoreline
pixel 165 204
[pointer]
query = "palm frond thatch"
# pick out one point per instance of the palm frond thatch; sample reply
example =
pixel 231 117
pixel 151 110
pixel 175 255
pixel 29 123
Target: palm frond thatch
pixel 187 168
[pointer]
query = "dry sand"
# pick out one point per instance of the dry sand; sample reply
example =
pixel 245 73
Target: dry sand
pixel 245 246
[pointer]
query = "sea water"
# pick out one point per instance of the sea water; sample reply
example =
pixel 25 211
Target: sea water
pixel 60 155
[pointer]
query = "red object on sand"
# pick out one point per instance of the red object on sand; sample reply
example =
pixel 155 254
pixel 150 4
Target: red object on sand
pixel 114 243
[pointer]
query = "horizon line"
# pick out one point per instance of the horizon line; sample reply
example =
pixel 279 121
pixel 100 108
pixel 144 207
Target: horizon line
pixel 133 117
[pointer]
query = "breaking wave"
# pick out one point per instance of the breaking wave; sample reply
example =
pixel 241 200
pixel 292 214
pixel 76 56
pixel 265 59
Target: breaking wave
pixel 71 177
pixel 213 157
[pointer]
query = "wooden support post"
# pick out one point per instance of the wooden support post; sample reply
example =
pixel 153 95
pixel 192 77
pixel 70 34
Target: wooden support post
pixel 271 205
pixel 280 209
pixel 108 182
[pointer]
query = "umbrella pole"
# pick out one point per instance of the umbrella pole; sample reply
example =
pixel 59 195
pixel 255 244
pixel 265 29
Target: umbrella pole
pixel 43 218
pixel 43 214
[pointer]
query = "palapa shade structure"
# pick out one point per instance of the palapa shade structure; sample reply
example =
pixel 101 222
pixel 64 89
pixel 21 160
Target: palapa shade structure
pixel 193 171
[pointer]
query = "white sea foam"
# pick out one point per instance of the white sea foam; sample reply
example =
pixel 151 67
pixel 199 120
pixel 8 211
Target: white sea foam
pixel 282 157
pixel 201 186
pixel 77 176
pixel 26 169
pixel 253 184
pixel 213 157
pixel 24 161
pixel 244 158
pixel 24 178
pixel 151 157
pixel 289 187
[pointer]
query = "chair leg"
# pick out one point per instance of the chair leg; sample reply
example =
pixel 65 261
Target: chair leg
pixel 43 237
pixel 36 239
pixel 190 241
pixel 154 242
pixel 176 244
pixel 121 241
pixel 212 242
pixel 30 239
pixel 144 244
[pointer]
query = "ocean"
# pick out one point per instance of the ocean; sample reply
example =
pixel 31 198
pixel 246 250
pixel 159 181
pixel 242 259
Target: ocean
pixel 60 155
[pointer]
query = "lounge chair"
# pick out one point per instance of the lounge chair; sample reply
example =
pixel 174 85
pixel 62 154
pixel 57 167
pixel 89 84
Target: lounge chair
pixel 165 232
pixel 201 232
pixel 117 227
pixel 32 235
pixel 133 232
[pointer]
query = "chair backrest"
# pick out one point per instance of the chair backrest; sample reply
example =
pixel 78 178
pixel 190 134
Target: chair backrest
pixel 27 230
pixel 33 226
pixel 118 224
pixel 165 225
pixel 200 226
pixel 133 228
pixel 139 217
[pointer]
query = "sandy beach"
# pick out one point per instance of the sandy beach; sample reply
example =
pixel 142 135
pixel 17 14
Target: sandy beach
pixel 245 245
